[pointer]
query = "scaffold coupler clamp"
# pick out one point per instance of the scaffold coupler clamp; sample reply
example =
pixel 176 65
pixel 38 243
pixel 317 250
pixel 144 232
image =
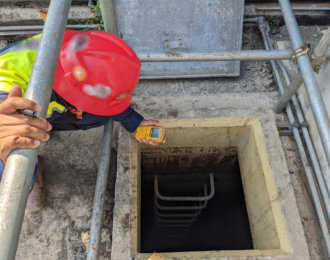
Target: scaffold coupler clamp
pixel 288 129
pixel 301 51
pixel 298 126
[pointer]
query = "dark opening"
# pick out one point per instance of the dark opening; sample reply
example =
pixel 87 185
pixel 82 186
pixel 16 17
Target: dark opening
pixel 221 225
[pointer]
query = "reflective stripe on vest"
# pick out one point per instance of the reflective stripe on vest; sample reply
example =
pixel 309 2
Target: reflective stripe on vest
pixel 54 106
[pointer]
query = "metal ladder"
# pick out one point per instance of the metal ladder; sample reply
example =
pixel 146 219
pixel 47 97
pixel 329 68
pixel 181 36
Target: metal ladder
pixel 188 213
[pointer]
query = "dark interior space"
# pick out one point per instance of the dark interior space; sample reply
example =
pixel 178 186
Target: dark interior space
pixel 221 225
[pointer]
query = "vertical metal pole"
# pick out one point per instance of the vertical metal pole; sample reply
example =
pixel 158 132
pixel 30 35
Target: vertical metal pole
pixel 100 189
pixel 110 25
pixel 307 73
pixel 18 173
pixel 108 16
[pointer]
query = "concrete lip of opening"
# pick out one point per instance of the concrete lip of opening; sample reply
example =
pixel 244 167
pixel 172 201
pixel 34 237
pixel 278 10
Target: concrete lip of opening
pixel 253 125
pixel 268 228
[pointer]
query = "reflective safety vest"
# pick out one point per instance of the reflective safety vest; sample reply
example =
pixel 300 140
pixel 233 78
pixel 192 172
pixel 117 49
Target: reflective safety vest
pixel 16 65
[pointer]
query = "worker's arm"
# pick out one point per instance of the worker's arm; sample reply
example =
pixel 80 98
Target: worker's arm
pixel 18 130
pixel 131 120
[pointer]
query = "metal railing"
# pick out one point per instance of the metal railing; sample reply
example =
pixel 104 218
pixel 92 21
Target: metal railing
pixel 315 98
pixel 19 168
pixel 18 173
pixel 276 66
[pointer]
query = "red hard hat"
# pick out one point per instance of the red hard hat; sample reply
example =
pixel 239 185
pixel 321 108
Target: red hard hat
pixel 97 72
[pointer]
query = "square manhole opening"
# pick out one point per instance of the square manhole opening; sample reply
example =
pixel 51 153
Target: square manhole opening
pixel 208 192
pixel 192 200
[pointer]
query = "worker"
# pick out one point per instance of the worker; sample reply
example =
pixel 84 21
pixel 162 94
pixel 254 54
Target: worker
pixel 95 78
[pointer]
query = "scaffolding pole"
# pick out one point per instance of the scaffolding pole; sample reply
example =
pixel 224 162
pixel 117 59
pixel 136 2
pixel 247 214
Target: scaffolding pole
pixel 304 160
pixel 19 168
pixel 99 197
pixel 318 58
pixel 219 56
pixel 307 73
pixel 110 25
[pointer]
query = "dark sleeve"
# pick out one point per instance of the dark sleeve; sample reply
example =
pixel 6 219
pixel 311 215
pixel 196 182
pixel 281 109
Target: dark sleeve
pixel 3 96
pixel 2 167
pixel 130 119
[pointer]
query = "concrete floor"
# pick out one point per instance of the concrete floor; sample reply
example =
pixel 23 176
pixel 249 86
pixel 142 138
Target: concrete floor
pixel 70 161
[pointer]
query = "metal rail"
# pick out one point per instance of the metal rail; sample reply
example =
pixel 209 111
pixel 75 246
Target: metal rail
pixel 301 150
pixel 185 198
pixel 102 176
pixel 108 16
pixel 170 215
pixel 320 113
pixel 18 173
pixel 220 56
pixel 34 29
pixel 201 206
pixel 99 197
pixel 175 221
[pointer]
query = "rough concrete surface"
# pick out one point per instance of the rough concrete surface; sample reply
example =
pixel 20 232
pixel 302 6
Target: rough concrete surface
pixel 70 159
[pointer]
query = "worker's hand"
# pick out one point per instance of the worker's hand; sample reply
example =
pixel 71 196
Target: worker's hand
pixel 18 130
pixel 152 123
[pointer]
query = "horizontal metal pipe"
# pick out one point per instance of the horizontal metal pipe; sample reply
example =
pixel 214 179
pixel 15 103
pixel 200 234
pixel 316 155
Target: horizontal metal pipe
pixel 182 215
pixel 220 56
pixel 18 173
pixel 12 33
pixel 185 198
pixel 295 6
pixel 226 55
pixel 175 221
pixel 315 98
pixel 35 29
pixel 200 206
pixel 40 27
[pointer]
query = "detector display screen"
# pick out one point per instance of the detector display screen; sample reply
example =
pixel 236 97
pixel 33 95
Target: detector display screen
pixel 155 132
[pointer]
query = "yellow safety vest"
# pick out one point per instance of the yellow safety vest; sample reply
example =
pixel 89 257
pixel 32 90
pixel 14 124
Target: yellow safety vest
pixel 16 66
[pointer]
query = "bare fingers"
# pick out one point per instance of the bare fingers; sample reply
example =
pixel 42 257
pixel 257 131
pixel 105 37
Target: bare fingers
pixel 19 119
pixel 12 104
pixel 24 131
pixel 9 143
pixel 145 141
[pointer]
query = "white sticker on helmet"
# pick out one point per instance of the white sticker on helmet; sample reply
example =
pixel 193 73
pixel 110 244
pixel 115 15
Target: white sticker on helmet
pixel 99 90
pixel 79 42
